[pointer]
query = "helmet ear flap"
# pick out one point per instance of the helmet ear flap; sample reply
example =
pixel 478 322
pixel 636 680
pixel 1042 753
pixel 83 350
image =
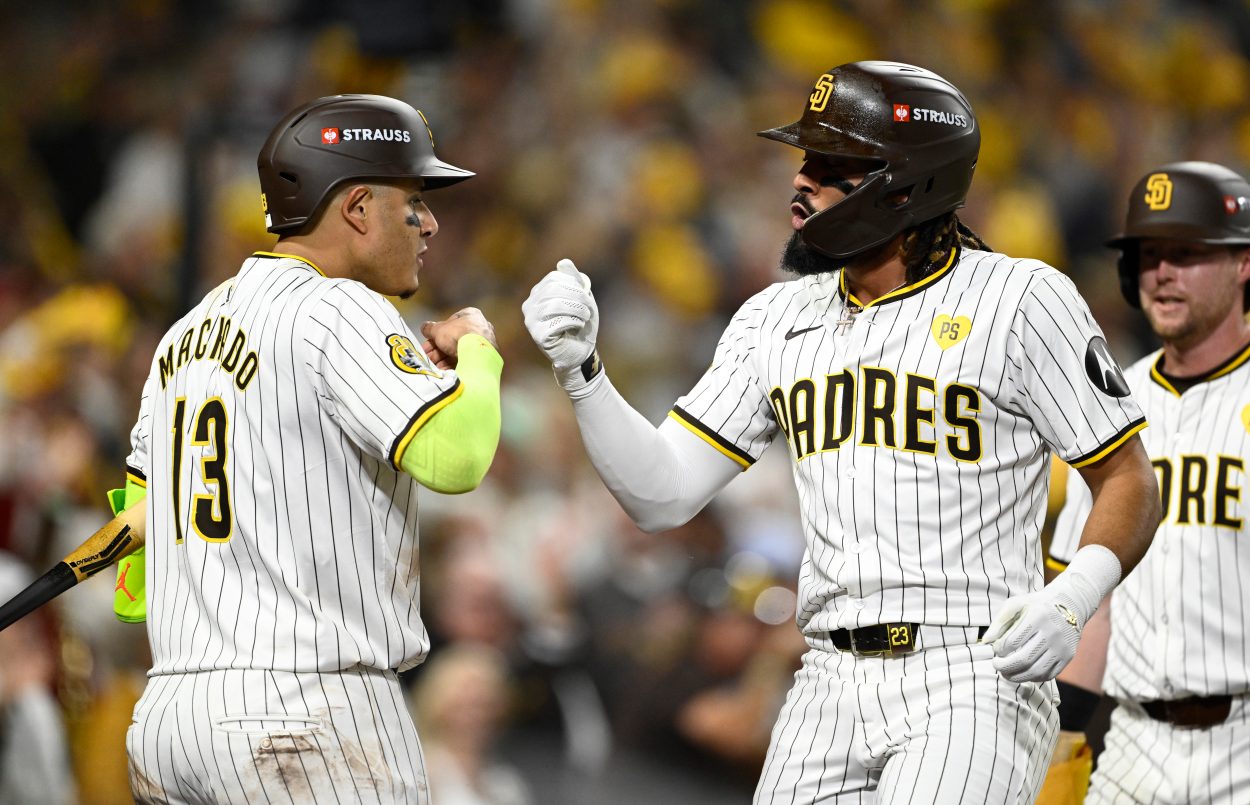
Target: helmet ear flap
pixel 856 223
pixel 1128 266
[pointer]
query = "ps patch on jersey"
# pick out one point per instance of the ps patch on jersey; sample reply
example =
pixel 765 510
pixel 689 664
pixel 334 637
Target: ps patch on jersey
pixel 1102 369
pixel 408 358
pixel 948 331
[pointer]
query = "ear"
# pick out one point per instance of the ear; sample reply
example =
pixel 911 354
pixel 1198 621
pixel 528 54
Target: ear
pixel 1243 263
pixel 353 206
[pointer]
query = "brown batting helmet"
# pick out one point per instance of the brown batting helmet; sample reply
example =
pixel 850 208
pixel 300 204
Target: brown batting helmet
pixel 1196 201
pixel 913 128
pixel 341 137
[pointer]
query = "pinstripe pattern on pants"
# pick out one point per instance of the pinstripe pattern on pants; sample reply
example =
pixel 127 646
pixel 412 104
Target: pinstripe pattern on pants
pixel 236 736
pixel 937 726
pixel 1148 761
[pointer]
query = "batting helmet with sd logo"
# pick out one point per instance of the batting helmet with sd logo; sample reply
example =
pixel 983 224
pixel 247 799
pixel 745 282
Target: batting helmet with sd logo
pixel 915 131
pixel 333 139
pixel 1196 201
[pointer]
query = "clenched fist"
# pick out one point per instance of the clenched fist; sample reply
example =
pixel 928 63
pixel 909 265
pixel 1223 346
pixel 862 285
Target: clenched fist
pixel 563 319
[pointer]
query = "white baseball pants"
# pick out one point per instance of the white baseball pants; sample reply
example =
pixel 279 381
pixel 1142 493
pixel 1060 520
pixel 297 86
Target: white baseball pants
pixel 939 725
pixel 258 736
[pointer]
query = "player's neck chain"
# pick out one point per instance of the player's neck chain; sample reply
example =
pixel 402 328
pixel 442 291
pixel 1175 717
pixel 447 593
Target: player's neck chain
pixel 850 309
pixel 848 317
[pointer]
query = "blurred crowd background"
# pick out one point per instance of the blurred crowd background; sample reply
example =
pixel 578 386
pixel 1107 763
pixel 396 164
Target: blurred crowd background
pixel 575 658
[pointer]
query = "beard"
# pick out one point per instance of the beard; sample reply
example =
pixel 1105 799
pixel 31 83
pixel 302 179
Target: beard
pixel 800 259
pixel 1201 317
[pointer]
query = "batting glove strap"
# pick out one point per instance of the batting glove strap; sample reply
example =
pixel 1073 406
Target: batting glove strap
pixel 591 367
pixel 579 381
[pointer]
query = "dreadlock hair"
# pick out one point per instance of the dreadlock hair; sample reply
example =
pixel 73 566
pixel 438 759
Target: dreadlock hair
pixel 927 247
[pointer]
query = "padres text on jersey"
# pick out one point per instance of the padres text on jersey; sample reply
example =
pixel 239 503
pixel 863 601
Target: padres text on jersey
pixel 921 428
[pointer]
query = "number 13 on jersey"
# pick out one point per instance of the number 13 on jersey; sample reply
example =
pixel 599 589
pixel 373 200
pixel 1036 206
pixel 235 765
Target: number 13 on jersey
pixel 210 513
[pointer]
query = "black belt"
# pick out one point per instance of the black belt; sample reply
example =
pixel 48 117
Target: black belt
pixel 1193 712
pixel 892 639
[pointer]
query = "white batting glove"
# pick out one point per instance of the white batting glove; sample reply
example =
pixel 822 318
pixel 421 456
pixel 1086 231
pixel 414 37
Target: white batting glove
pixel 1035 635
pixel 563 319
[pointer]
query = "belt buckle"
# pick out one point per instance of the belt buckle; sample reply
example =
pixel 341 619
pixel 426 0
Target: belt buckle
pixel 898 639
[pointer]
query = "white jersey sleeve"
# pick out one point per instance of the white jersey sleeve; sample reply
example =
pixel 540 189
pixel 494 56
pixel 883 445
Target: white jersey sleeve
pixel 370 374
pixel 1069 385
pixel 137 462
pixel 729 407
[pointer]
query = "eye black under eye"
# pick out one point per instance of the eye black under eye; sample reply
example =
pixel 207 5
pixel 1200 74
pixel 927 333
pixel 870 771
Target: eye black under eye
pixel 840 182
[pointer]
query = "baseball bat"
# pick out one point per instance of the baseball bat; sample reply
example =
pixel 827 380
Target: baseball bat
pixel 122 536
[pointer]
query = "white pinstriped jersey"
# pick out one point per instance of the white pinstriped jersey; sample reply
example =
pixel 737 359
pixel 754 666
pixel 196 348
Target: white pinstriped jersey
pixel 1180 622
pixel 281 534
pixel 921 430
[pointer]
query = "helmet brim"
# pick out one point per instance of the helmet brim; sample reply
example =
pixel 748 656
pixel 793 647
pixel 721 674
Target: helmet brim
pixel 1175 231
pixel 438 174
pixel 824 139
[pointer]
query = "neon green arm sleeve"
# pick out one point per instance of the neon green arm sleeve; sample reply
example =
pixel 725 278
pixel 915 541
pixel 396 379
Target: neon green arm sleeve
pixel 453 450
pixel 130 602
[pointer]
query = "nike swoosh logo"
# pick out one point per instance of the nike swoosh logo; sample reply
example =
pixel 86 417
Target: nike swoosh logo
pixel 792 332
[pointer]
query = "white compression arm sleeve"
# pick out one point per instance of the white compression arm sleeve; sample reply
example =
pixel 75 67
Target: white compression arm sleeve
pixel 661 476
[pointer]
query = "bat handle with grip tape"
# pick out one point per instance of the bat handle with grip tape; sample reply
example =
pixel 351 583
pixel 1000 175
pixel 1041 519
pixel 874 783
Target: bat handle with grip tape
pixel 123 535
pixel 42 590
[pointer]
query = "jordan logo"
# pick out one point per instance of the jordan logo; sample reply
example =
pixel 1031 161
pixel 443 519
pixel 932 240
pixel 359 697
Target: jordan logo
pixel 121 583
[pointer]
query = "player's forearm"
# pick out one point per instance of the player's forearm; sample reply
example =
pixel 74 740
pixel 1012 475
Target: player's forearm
pixel 120 537
pixel 661 477
pixel 1121 522
pixel 452 452
pixel 1126 508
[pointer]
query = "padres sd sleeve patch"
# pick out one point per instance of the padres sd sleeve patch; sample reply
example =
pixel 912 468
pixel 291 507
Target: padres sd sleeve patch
pixel 1102 369
pixel 408 358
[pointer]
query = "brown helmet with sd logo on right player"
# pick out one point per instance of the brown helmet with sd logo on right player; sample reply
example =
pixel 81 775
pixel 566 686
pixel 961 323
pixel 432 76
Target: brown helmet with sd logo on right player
pixel 915 131
pixel 1200 202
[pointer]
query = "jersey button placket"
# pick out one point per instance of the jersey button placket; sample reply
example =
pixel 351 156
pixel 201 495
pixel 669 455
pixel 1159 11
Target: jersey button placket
pixel 853 339
pixel 1169 649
